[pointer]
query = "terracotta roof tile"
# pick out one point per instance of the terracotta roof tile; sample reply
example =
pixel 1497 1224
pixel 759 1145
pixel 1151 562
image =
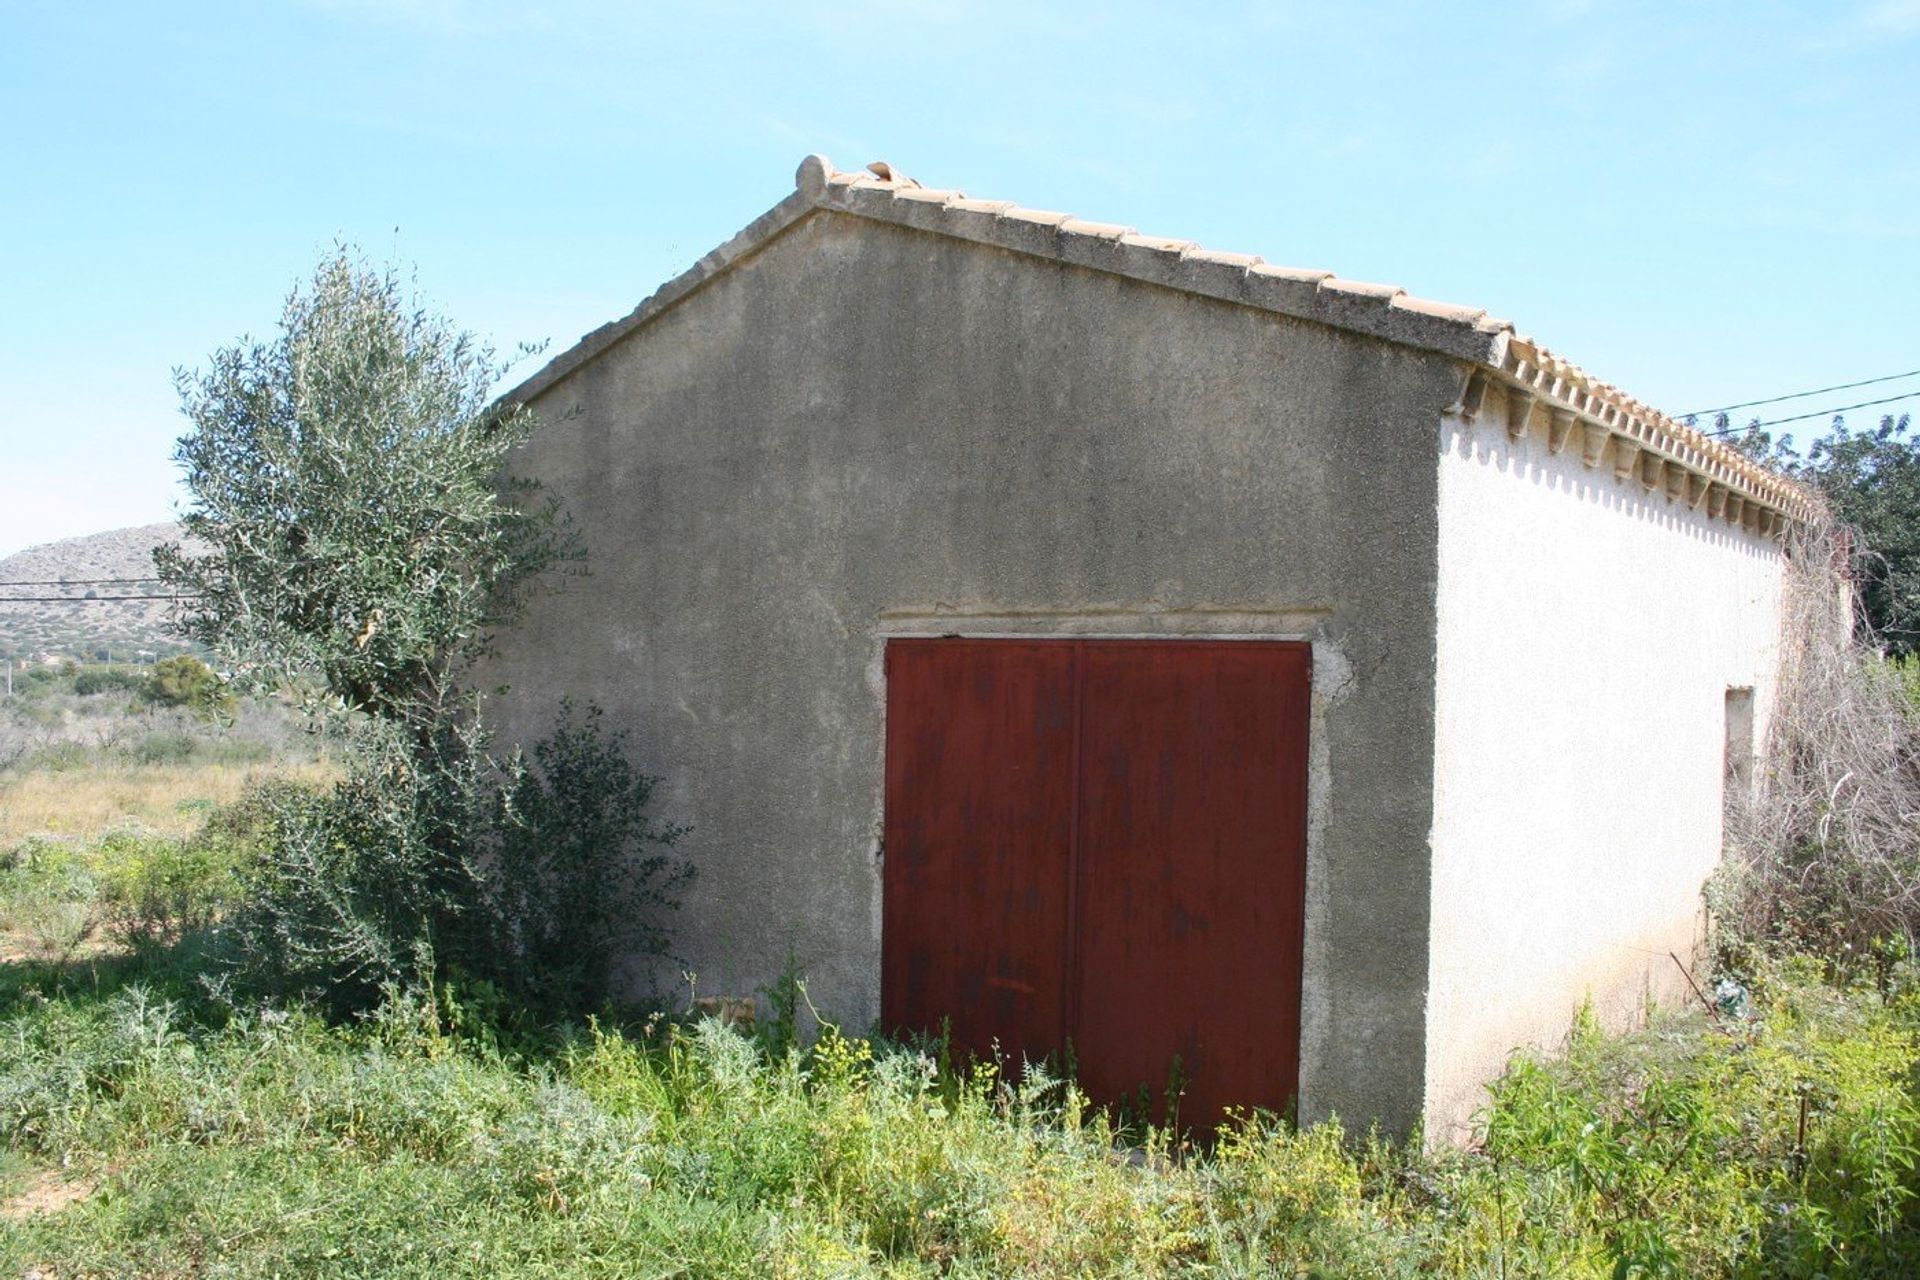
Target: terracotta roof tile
pixel 1221 256
pixel 1440 310
pixel 1159 244
pixel 926 194
pixel 1043 216
pixel 965 205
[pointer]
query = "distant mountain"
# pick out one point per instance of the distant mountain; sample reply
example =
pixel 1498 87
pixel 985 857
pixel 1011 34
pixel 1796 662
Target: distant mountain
pixel 72 570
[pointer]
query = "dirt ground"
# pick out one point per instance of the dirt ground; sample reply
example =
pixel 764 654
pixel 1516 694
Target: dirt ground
pixel 44 1192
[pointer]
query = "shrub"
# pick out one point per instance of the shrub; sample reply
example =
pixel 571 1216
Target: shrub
pixel 185 681
pixel 1906 671
pixel 57 757
pixel 49 896
pixel 168 746
pixel 98 680
pixel 429 861
pixel 1823 852
pixel 154 890
pixel 368 886
pixel 582 875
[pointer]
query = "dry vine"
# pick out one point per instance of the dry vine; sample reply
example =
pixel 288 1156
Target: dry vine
pixel 1824 855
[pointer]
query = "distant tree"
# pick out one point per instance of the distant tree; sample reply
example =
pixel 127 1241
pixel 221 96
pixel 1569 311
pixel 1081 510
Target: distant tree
pixel 347 479
pixel 185 681
pixel 1871 479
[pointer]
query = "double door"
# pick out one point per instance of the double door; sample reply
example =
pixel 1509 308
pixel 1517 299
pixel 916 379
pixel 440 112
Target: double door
pixel 1097 849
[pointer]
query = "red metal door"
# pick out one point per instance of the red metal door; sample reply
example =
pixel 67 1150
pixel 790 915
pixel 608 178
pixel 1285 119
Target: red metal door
pixel 1102 842
pixel 978 818
pixel 1191 880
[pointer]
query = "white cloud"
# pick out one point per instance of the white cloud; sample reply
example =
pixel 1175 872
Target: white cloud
pixel 1880 20
pixel 1901 17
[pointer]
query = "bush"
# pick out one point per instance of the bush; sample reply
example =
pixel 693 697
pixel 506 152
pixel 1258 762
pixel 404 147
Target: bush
pixel 1781 1147
pixel 58 757
pixel 98 680
pixel 49 896
pixel 1823 852
pixel 164 747
pixel 153 890
pixel 430 862
pixel 367 887
pixel 185 681
pixel 1906 673
pixel 147 890
pixel 582 876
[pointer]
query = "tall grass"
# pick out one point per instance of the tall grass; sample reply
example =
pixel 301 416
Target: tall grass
pixel 419 1142
pixel 173 799
pixel 153 1123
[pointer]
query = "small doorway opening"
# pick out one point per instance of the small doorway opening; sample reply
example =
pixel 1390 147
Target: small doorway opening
pixel 1739 748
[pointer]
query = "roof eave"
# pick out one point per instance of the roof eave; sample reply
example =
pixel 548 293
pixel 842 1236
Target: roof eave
pixel 752 238
pixel 1379 311
pixel 1493 353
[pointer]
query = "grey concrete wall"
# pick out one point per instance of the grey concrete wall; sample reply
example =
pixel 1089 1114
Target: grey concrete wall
pixel 1588 631
pixel 865 430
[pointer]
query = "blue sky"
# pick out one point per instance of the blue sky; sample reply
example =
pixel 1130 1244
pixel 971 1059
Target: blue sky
pixel 1703 203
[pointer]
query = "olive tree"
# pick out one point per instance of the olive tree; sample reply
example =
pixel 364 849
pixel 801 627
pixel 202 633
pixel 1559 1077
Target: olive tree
pixel 347 484
pixel 358 536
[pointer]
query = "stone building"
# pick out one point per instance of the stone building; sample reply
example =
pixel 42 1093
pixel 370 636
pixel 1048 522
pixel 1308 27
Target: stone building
pixel 1252 679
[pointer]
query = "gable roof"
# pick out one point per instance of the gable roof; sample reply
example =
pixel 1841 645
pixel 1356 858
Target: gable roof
pixel 1533 384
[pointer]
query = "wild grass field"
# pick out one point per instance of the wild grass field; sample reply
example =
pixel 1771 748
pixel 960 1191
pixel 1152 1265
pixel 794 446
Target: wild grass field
pixel 155 1123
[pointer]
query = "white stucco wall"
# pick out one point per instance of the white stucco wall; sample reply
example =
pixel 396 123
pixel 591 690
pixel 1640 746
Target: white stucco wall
pixel 1588 631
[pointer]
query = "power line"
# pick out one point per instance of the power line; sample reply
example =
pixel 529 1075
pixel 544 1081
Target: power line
pixel 1801 395
pixel 89 599
pixel 79 582
pixel 1817 413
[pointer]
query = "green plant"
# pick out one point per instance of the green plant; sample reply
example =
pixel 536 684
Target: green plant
pixel 49 895
pixel 346 481
pixel 582 875
pixel 98 680
pixel 373 884
pixel 164 747
pixel 260 1140
pixel 154 890
pixel 350 481
pixel 185 681
pixel 429 862
pixel 1906 673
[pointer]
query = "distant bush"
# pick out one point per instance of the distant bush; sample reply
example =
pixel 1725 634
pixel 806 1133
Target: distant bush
pixel 57 757
pixel 185 681
pixel 97 680
pixel 168 746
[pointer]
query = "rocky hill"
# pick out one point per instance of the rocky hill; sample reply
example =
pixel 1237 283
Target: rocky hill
pixel 79 622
